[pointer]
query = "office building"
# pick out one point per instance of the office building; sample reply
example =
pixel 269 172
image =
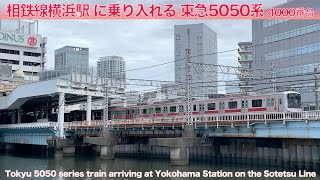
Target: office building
pixel 202 41
pixel 71 57
pixel 245 60
pixel 291 49
pixel 111 67
pixel 22 48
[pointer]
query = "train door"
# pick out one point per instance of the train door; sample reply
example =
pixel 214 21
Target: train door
pixel 181 110
pixel 165 111
pixel 270 104
pixel 280 104
pixel 201 109
pixel 221 107
pixel 244 106
pixel 151 112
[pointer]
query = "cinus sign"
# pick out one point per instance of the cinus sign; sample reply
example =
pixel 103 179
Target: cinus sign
pixel 19 39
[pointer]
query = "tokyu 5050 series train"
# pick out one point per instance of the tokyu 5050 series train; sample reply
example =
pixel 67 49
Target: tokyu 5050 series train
pixel 288 101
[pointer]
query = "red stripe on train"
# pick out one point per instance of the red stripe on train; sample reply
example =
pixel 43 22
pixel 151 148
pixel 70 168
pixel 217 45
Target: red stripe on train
pixel 257 109
pixel 211 112
pixel 173 114
pixel 195 112
pixel 232 110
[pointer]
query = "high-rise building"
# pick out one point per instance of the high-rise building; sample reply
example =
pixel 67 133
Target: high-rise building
pixel 202 41
pixel 245 59
pixel 291 49
pixel 111 67
pixel 22 48
pixel 71 57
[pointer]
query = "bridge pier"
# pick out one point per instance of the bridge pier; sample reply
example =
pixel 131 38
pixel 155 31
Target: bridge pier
pixel 179 147
pixel 179 156
pixel 107 152
pixel 69 151
pixel 105 144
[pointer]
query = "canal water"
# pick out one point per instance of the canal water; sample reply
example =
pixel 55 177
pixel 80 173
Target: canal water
pixel 86 166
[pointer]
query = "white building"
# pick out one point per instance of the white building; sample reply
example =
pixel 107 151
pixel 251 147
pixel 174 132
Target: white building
pixel 71 57
pixel 22 48
pixel 203 44
pixel 111 67
pixel 245 59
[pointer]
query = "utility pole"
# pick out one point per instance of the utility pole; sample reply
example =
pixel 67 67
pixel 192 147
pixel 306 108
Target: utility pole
pixel 106 121
pixel 273 65
pixel 188 83
pixel 317 88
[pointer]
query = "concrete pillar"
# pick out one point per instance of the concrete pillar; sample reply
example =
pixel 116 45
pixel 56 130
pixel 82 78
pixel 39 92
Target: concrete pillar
pixel 307 156
pixel 89 99
pixel 9 147
pixel 107 152
pixel 293 155
pixel 97 149
pixel 315 157
pixel 286 155
pixel 260 155
pixel 19 115
pixel 273 156
pixel 69 151
pixel 35 113
pixel 266 155
pixel 300 156
pixel 61 114
pixel 179 156
pixel 13 117
pixel 41 113
pixel 58 154
pixel 279 152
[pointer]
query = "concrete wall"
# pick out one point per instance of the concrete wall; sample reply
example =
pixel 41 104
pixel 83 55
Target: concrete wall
pixel 302 154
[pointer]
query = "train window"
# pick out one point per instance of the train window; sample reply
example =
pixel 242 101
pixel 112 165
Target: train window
pixel 201 107
pixel 165 109
pixel 158 110
pixel 272 102
pixel 144 111
pixel 211 106
pixel 173 108
pixel 181 108
pixel 232 105
pixel 280 101
pixel 195 107
pixel 257 103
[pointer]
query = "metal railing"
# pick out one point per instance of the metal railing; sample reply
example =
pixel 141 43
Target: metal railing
pixel 30 125
pixel 199 120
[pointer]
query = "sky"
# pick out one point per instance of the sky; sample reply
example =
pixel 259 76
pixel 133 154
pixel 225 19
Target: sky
pixel 141 42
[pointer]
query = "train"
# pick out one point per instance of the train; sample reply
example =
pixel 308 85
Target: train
pixel 288 101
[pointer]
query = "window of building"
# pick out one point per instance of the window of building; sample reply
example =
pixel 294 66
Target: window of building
pixel 257 103
pixel 211 106
pixel 33 54
pixel 8 51
pixel 232 105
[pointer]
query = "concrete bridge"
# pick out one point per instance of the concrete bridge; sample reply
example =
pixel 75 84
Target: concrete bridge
pixel 292 137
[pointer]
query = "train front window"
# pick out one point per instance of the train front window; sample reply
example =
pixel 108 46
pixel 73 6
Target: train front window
pixel 294 100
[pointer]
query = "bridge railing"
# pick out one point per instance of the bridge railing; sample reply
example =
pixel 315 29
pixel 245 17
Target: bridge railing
pixel 30 125
pixel 83 124
pixel 225 118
